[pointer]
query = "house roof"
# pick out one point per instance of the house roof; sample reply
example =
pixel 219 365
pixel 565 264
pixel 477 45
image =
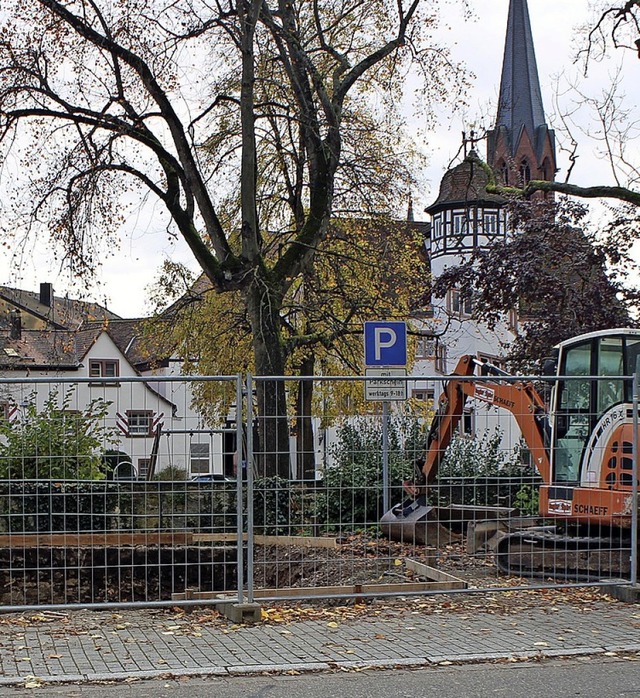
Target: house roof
pixel 46 349
pixel 62 313
pixel 133 340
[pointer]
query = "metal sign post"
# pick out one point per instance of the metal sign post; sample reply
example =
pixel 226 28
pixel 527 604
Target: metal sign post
pixel 385 349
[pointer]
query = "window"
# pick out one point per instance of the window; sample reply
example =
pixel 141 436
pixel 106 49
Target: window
pixel 504 172
pixel 437 227
pixel 513 320
pixel 610 391
pixel 140 422
pixel 490 223
pixel 493 360
pixel 459 304
pixel 199 458
pixel 426 348
pixel 143 467
pixel 426 394
pixel 525 172
pixel 441 358
pixel 104 368
pixel 467 426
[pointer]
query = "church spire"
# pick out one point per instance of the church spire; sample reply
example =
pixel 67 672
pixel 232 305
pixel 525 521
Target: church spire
pixel 521 140
pixel 520 101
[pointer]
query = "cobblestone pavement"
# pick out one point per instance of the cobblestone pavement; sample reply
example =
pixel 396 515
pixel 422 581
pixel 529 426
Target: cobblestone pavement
pixel 88 645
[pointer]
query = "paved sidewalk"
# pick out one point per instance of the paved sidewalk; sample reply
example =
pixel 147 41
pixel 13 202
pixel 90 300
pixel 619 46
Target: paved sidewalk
pixel 86 645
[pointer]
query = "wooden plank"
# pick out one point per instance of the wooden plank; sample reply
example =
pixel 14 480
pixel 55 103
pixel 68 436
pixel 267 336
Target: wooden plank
pixel 81 540
pixel 38 540
pixel 434 574
pixel 320 592
pixel 217 537
pixel 300 541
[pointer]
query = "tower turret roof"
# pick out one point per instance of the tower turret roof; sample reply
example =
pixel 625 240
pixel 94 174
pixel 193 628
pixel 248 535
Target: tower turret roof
pixel 465 184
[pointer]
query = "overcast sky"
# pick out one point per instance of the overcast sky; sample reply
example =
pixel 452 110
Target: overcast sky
pixel 480 43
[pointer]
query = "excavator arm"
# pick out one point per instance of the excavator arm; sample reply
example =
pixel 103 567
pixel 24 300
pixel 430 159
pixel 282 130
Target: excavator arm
pixel 421 522
pixel 517 397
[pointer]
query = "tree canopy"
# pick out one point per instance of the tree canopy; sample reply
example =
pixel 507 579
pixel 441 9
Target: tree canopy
pixel 253 122
pixel 561 279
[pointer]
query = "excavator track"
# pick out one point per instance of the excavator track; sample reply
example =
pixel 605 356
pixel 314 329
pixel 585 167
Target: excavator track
pixel 545 554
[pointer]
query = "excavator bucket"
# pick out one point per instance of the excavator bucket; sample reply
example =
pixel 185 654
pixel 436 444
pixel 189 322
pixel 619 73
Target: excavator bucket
pixel 419 523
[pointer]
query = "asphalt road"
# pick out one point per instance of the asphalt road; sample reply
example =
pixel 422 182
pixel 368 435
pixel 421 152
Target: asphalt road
pixel 596 677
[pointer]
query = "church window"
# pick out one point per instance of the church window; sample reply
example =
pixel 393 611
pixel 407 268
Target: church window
pixel 504 172
pixel 525 172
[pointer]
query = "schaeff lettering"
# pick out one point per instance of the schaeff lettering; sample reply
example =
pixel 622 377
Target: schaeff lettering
pixel 590 509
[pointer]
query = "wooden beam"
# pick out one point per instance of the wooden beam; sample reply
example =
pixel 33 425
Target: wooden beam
pixel 300 541
pixel 322 592
pixel 89 540
pixel 435 575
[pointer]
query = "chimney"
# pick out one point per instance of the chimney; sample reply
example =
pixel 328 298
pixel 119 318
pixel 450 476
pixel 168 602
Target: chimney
pixel 16 325
pixel 46 294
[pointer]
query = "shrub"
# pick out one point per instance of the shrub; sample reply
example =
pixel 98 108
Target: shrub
pixel 352 492
pixel 56 442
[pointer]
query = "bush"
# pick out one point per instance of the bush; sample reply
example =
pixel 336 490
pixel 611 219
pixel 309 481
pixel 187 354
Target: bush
pixel 353 485
pixel 56 442
pixel 278 507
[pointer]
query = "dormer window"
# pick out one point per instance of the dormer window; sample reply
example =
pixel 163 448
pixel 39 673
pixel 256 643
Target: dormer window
pixel 107 369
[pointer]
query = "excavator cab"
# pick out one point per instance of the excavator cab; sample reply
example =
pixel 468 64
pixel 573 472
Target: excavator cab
pixel 592 428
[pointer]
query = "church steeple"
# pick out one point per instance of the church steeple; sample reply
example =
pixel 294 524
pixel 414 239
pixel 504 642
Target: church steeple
pixel 521 146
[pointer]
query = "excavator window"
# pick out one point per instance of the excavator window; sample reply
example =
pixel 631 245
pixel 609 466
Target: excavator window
pixel 610 363
pixel 593 382
pixel 573 416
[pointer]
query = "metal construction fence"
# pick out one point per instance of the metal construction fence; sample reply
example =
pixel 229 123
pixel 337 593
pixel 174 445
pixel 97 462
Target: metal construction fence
pixel 163 491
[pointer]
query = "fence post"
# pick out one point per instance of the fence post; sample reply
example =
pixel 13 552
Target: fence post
pixel 239 509
pixel 634 505
pixel 250 497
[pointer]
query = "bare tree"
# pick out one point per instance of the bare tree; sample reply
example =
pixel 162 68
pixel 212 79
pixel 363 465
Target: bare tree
pixel 247 119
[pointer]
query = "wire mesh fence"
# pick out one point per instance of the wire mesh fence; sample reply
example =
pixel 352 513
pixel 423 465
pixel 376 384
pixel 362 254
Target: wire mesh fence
pixel 158 497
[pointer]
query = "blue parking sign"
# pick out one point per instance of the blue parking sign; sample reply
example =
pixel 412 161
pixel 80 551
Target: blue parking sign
pixel 385 343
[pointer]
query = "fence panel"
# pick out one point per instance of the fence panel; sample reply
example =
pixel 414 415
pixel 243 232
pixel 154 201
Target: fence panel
pixel 127 492
pixel 118 492
pixel 486 519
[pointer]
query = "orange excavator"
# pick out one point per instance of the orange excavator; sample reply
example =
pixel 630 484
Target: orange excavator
pixel 580 439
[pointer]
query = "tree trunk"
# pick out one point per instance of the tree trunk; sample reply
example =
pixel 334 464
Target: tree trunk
pixel 272 451
pixel 305 452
